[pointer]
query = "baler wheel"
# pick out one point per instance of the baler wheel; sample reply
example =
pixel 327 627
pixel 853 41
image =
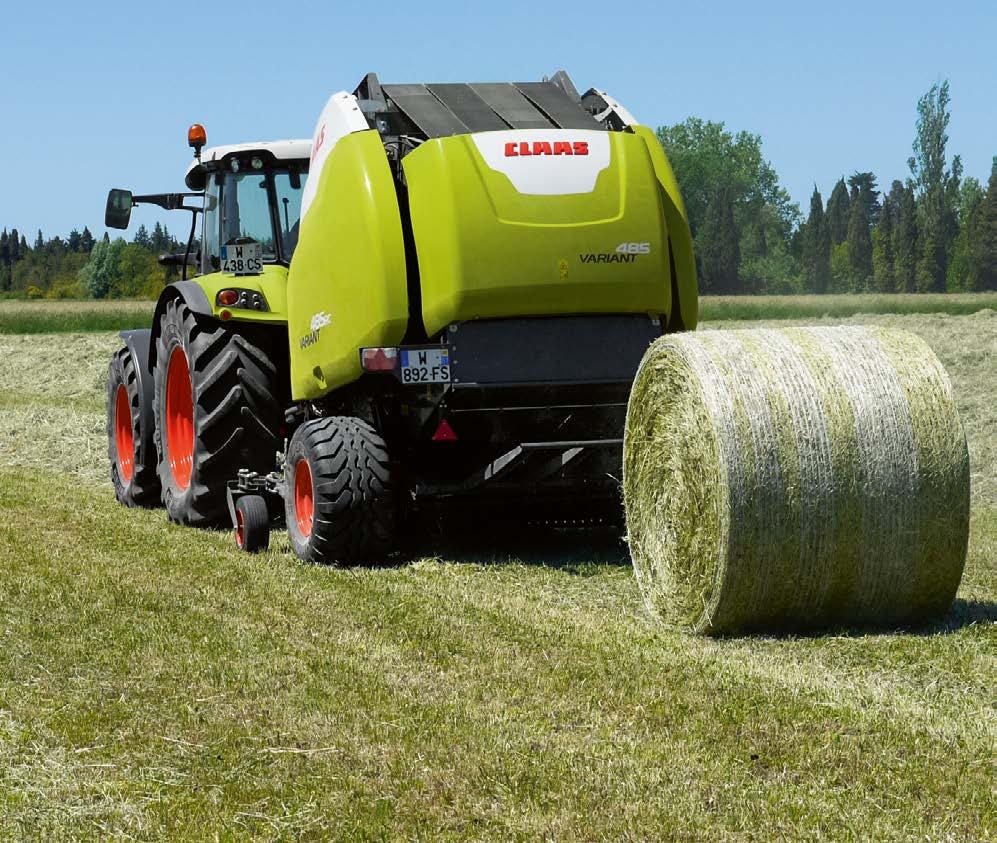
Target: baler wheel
pixel 132 472
pixel 340 502
pixel 216 410
pixel 252 524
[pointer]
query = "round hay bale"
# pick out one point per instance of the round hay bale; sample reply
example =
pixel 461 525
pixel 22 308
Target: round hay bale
pixel 795 478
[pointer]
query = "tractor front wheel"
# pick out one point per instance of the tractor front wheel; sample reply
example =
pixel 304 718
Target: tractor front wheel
pixel 340 502
pixel 216 411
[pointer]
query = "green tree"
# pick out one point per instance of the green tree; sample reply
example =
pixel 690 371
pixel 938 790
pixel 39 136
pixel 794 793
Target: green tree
pixel 859 246
pixel 961 273
pixel 816 247
pixel 720 254
pixel 905 245
pixel 142 236
pixel 985 247
pixel 102 272
pixel 937 187
pixel 864 186
pixel 884 279
pixel 86 241
pixel 841 268
pixel 706 157
pixel 39 241
pixel 74 241
pixel 838 212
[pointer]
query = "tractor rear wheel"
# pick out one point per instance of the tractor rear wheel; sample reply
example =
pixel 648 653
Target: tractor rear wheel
pixel 133 472
pixel 216 411
pixel 340 502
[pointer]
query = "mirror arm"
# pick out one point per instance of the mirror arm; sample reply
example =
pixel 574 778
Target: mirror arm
pixel 190 238
pixel 167 201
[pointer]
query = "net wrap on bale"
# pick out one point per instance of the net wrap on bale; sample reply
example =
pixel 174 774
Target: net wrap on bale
pixel 795 478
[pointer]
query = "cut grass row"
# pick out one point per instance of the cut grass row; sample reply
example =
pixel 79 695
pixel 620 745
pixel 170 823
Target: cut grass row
pixel 21 317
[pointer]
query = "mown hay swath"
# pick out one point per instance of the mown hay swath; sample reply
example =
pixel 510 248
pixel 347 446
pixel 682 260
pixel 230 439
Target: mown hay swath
pixel 794 478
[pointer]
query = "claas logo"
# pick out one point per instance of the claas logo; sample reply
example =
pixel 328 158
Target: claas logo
pixel 517 149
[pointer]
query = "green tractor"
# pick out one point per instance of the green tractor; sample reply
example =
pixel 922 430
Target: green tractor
pixel 440 299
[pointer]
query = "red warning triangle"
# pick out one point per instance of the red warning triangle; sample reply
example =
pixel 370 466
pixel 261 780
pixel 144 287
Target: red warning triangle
pixel 444 433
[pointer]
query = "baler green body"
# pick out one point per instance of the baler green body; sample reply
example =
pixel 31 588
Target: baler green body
pixel 479 247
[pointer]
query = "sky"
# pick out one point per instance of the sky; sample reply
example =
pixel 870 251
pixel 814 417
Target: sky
pixel 99 95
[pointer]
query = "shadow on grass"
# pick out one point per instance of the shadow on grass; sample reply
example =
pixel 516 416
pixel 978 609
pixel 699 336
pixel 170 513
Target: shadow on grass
pixel 962 613
pixel 487 541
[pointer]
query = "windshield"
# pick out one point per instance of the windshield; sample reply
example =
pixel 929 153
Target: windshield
pixel 262 205
pixel 246 212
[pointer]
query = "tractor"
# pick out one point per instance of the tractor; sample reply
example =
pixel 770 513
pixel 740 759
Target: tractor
pixel 438 301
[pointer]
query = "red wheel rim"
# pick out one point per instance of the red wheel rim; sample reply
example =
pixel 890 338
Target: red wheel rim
pixel 124 437
pixel 240 529
pixel 179 418
pixel 304 497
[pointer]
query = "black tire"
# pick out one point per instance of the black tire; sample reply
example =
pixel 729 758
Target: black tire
pixel 252 527
pixel 234 413
pixel 354 509
pixel 133 471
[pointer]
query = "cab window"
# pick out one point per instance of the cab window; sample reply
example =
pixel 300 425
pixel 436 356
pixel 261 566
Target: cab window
pixel 245 211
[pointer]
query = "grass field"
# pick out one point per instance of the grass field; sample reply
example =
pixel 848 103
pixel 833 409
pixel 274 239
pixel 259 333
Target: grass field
pixel 29 317
pixel 156 683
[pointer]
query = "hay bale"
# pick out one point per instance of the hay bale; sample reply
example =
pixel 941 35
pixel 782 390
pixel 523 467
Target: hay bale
pixel 795 478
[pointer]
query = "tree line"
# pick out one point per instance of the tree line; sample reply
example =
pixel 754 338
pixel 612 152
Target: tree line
pixel 935 231
pixel 81 267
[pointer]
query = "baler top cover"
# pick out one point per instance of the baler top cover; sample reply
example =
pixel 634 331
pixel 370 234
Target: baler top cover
pixel 446 109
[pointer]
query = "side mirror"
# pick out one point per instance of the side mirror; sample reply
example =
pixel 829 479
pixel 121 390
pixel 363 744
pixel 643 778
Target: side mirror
pixel 119 208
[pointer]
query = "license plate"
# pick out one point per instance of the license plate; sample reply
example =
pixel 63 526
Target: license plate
pixel 425 365
pixel 242 259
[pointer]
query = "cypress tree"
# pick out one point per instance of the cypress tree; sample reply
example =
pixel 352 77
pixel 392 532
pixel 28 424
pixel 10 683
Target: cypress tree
pixel 930 277
pixel 985 253
pixel 16 250
pixel 39 242
pixel 863 186
pixel 816 246
pixel 838 213
pixel 4 249
pixel 719 251
pixel 882 252
pixel 905 242
pixel 859 245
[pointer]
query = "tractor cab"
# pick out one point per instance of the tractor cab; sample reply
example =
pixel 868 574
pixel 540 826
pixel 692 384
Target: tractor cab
pixel 252 198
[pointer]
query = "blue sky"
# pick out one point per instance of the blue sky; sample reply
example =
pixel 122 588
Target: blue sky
pixel 96 95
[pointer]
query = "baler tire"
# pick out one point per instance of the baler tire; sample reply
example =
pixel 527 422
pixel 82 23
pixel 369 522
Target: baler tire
pixel 340 503
pixel 216 413
pixel 133 475
pixel 252 527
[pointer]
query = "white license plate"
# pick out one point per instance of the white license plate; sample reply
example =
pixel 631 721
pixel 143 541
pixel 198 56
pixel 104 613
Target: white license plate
pixel 243 259
pixel 425 365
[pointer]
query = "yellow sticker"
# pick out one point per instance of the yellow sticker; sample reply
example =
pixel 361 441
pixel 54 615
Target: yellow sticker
pixel 562 268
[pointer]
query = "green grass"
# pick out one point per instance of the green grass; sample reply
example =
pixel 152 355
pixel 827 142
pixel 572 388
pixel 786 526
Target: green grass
pixel 27 317
pixel 714 308
pixel 155 683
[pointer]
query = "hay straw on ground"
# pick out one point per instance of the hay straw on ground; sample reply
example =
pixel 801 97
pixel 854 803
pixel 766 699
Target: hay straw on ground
pixel 796 477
